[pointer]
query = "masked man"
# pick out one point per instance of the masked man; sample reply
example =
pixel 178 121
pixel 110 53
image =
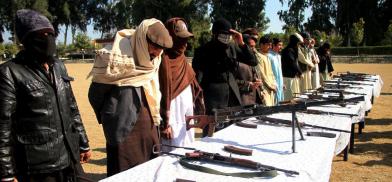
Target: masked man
pixel 215 64
pixel 179 87
pixel 42 135
pixel 125 94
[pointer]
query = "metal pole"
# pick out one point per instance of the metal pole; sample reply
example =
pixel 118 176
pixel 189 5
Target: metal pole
pixel 293 116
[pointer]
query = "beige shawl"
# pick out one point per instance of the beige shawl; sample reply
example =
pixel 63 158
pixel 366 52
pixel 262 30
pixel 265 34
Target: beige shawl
pixel 128 64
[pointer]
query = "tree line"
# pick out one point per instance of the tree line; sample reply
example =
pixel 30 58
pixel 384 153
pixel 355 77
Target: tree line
pixel 342 21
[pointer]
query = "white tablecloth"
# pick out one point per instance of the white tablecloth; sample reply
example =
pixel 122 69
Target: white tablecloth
pixel 271 145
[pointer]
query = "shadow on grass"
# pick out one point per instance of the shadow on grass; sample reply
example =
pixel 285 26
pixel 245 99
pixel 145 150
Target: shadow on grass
pixel 383 121
pixel 369 136
pixel 95 176
pixel 103 150
pixel 385 149
pixel 100 162
pixel 386 93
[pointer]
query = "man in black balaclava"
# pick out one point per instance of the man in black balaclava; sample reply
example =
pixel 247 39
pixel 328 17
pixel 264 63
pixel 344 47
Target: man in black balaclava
pixel 215 64
pixel 43 137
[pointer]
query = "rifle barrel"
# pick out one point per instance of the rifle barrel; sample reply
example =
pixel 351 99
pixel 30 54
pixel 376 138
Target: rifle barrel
pixel 288 122
pixel 311 111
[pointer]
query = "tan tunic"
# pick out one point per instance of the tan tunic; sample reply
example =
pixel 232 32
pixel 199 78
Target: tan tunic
pixel 268 78
pixel 315 70
pixel 292 87
pixel 306 80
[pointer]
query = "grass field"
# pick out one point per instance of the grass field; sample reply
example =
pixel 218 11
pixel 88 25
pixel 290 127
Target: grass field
pixel 372 160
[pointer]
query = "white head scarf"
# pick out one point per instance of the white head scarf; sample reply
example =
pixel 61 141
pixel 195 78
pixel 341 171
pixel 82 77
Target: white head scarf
pixel 129 64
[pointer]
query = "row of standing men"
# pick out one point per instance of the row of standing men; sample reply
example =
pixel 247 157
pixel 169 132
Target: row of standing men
pixel 140 96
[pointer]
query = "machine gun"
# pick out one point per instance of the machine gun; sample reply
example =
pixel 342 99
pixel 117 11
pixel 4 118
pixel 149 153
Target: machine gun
pixel 347 82
pixel 198 155
pixel 230 114
pixel 318 112
pixel 355 74
pixel 354 78
pixel 327 101
pixel 341 92
pixel 300 124
pixel 222 116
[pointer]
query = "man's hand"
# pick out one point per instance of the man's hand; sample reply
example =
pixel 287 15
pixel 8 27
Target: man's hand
pixel 274 88
pixel 237 37
pixel 167 133
pixel 254 85
pixel 85 156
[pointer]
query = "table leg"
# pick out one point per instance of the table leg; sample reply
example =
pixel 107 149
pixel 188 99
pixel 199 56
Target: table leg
pixel 351 148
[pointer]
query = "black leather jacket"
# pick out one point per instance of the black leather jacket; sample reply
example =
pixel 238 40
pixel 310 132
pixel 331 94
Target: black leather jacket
pixel 40 126
pixel 215 65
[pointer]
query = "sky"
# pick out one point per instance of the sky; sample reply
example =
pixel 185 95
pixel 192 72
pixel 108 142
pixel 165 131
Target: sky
pixel 271 9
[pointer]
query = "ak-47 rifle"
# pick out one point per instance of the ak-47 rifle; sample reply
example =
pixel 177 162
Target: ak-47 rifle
pixel 347 82
pixel 340 91
pixel 336 86
pixel 301 124
pixel 354 78
pixel 326 101
pixel 228 114
pixel 198 155
pixel 318 112
pixel 355 74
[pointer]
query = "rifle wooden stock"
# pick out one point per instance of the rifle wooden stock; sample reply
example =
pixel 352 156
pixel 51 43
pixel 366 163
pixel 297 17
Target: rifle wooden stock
pixel 236 150
pixel 245 125
pixel 217 158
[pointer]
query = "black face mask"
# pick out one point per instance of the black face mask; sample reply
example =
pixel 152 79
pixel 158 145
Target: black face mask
pixel 43 47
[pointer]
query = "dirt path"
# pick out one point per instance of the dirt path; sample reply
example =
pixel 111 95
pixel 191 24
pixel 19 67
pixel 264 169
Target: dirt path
pixel 372 160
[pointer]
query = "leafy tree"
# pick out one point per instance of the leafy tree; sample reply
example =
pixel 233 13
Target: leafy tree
pixel 242 13
pixel 357 32
pixel 294 16
pixel 193 11
pixel 388 35
pixel 11 49
pixel 323 16
pixel 290 30
pixel 335 39
pixel 320 37
pixel 109 15
pixel 82 41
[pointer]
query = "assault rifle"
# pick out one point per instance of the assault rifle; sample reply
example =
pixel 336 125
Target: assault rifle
pixel 198 155
pixel 339 100
pixel 230 114
pixel 347 82
pixel 318 112
pixel 355 74
pixel 301 124
pixel 316 92
pixel 354 78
